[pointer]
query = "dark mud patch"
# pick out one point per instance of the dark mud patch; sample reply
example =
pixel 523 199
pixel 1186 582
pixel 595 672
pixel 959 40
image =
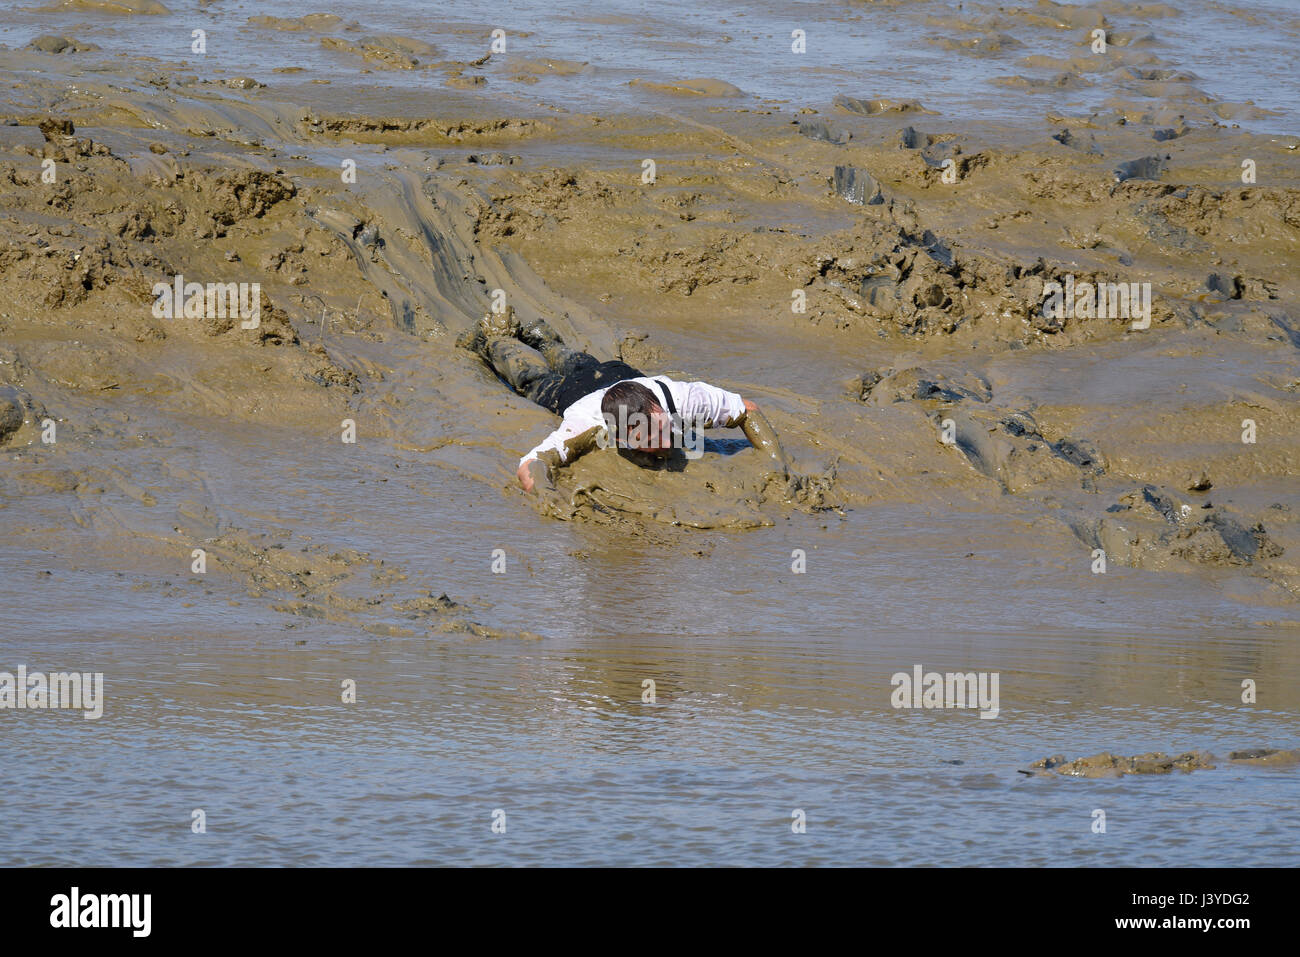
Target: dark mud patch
pixel 821 130
pixel 856 186
pixel 420 130
pixel 1145 167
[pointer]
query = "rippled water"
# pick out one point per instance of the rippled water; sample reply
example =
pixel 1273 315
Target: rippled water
pixel 772 694
pixel 746 729
pixel 1236 52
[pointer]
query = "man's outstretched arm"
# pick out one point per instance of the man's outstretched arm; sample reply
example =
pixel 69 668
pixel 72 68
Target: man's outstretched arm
pixel 762 436
pixel 560 448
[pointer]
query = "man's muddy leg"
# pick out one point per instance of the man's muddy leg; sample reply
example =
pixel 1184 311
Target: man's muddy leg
pixel 539 366
pixel 561 358
pixel 490 327
pixel 529 374
pixel 522 367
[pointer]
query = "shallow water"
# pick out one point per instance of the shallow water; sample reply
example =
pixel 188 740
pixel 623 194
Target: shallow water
pixel 1236 52
pixel 772 693
pixel 746 729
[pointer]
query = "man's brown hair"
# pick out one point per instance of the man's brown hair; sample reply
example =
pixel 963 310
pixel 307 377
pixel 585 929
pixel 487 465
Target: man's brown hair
pixel 621 401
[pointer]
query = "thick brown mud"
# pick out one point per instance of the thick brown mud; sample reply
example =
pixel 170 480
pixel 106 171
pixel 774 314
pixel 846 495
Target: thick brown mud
pixel 744 239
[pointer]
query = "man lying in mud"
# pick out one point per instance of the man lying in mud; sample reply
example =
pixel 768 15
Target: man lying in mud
pixel 608 403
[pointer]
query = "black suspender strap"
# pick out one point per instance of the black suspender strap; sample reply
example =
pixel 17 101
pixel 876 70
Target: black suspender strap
pixel 672 411
pixel 668 396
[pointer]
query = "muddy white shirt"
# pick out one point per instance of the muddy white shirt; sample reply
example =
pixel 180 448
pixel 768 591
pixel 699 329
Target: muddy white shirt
pixel 697 402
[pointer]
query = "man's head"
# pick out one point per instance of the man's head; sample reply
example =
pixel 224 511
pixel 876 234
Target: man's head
pixel 636 420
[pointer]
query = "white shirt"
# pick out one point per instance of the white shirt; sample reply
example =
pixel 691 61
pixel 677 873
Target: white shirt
pixel 697 402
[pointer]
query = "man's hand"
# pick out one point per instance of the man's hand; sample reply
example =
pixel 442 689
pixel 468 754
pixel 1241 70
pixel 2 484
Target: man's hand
pixel 524 476
pixel 532 472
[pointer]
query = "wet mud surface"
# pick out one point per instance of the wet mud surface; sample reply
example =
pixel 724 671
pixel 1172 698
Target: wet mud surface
pixel 1110 765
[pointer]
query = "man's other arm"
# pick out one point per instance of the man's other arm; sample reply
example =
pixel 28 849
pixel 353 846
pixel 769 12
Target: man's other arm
pixel 761 435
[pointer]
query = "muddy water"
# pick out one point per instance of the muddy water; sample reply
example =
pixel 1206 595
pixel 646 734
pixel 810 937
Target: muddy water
pixel 520 687
pixel 772 693
pixel 747 728
pixel 587 56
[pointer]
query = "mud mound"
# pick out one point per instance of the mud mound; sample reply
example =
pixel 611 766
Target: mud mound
pixel 878 106
pixel 1269 213
pixel 54 44
pixel 244 194
pixel 387 51
pixel 821 130
pixel 1008 446
pixel 152 7
pixel 12 412
pixel 1265 757
pixel 528 71
pixel 1107 765
pixel 989 44
pixel 922 385
pixel 731 490
pixel 332 583
pixel 1152 527
pixel 916 284
pixel 1010 449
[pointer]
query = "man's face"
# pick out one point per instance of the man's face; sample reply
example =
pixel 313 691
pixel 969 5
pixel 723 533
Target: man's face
pixel 652 435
